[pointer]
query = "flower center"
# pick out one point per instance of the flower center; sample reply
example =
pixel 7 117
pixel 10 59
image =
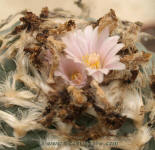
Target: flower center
pixel 76 77
pixel 92 60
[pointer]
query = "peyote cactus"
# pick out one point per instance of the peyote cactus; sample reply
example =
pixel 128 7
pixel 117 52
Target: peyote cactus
pixel 73 83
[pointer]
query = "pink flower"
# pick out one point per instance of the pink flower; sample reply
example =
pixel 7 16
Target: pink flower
pixel 96 51
pixel 73 73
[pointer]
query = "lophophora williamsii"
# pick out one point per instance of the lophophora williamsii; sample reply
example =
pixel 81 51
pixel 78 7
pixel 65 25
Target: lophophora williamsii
pixel 83 80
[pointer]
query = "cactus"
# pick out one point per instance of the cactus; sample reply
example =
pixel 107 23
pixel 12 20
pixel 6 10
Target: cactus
pixel 40 109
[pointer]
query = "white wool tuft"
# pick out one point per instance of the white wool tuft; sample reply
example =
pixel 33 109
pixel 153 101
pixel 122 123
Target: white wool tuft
pixel 9 94
pixel 63 127
pixel 26 123
pixel 8 141
pixel 113 92
pixel 22 67
pixel 132 104
pixel 143 135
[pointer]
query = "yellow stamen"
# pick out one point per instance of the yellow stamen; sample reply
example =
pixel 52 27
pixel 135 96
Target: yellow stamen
pixel 76 77
pixel 92 60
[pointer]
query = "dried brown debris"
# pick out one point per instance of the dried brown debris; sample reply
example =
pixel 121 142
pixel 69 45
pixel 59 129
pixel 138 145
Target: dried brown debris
pixel 130 35
pixel 31 22
pixel 18 29
pixel 107 114
pixel 134 60
pixel 42 38
pixel 55 44
pixel 47 40
pixel 44 12
pixel 127 31
pixel 63 28
pixel 117 75
pixel 34 52
pixel 109 20
pixel 100 95
pixel 152 83
pixel 110 119
pixel 69 105
pixel 77 95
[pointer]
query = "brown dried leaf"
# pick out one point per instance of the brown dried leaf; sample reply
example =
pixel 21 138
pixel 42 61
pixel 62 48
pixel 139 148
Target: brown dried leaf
pixel 133 61
pixel 124 75
pixel 31 22
pixel 44 12
pixel 130 36
pixel 128 33
pixel 55 44
pixel 109 20
pixel 152 83
pixel 100 96
pixel 77 95
pixel 63 28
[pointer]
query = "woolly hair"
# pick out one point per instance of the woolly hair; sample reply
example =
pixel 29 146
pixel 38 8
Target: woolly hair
pixel 7 141
pixel 25 124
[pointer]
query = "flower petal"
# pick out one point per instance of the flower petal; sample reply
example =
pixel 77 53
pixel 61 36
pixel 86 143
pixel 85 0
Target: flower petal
pixel 116 66
pixel 108 44
pixel 102 36
pixel 91 37
pixel 111 60
pixel 72 46
pixel 114 51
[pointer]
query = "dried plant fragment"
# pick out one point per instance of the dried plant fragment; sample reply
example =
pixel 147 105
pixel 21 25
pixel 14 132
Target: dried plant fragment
pixel 130 37
pixel 44 12
pixel 30 21
pixel 133 61
pixel 101 99
pixel 63 28
pixel 77 95
pixel 34 53
pixel 55 44
pixel 109 20
pixel 152 83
